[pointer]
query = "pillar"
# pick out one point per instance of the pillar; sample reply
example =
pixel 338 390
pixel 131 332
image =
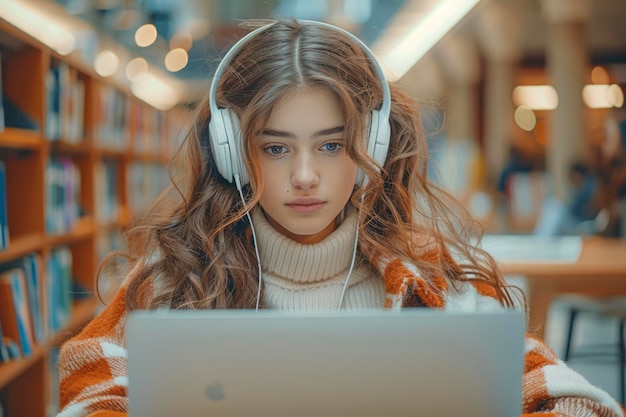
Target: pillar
pixel 459 59
pixel 500 35
pixel 567 64
pixel 460 162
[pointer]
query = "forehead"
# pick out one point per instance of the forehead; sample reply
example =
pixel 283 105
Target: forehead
pixel 307 108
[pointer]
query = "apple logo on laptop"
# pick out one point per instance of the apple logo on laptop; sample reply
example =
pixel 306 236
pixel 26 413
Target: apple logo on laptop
pixel 215 391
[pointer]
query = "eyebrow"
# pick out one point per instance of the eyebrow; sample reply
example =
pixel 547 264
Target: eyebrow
pixel 290 135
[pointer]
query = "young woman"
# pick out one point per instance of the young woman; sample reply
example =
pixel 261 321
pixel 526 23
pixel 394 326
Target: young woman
pixel 305 189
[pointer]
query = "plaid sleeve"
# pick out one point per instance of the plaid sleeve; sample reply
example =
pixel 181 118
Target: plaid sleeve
pixel 549 385
pixel 93 367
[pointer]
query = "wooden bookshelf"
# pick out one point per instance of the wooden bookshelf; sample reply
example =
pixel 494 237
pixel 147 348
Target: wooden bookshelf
pixel 89 162
pixel 19 138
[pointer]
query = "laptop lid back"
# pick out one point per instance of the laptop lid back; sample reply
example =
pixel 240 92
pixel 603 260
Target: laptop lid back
pixel 369 363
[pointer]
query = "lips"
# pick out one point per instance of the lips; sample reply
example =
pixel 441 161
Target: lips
pixel 306 205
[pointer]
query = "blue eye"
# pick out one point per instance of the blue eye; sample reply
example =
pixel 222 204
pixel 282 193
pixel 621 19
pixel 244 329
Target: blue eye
pixel 275 150
pixel 332 147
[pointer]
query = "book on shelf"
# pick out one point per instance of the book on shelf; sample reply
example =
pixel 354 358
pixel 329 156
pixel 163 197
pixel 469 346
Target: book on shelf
pixel 31 267
pixel 71 192
pixel 4 350
pixel 1 106
pixel 8 318
pixel 29 314
pixel 73 123
pixel 59 289
pixel 33 270
pixel 65 104
pixel 53 111
pixel 15 117
pixel 62 206
pixel 14 309
pixel 106 191
pixel 4 218
pixel 112 128
pixel 146 180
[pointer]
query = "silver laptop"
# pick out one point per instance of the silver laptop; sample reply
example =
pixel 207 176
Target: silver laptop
pixel 368 364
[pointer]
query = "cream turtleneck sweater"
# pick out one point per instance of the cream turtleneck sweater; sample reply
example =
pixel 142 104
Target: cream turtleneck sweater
pixel 311 277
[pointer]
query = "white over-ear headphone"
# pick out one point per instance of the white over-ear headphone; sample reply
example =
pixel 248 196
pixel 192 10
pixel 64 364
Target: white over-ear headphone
pixel 225 131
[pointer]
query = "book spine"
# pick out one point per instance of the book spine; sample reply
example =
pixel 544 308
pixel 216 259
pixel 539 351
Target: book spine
pixel 4 220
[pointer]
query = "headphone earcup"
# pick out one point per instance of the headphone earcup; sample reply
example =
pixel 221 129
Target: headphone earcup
pixel 377 142
pixel 225 138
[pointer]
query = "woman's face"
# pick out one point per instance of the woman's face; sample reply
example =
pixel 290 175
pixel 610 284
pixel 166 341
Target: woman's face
pixel 307 172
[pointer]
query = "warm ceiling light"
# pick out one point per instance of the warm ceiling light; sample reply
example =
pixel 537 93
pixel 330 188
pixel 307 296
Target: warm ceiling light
pixel 405 46
pixel 603 96
pixel 599 75
pixel 65 43
pixel 136 68
pixel 106 63
pixel 536 97
pixel 176 59
pixel 46 29
pixel 525 118
pixel 615 95
pixel 156 91
pixel 146 35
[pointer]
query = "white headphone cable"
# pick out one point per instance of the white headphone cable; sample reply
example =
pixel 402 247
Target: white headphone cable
pixel 345 284
pixel 256 246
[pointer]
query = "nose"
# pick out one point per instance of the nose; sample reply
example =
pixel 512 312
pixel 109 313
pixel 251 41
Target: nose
pixel 305 173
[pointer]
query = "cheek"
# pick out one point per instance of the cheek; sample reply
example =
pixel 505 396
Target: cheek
pixel 272 173
pixel 273 181
pixel 342 177
pixel 348 170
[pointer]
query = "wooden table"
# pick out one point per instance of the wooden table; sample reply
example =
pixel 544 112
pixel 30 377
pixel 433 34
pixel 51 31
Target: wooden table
pixel 599 270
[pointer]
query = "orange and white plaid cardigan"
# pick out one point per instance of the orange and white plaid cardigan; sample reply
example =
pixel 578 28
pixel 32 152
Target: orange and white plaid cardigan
pixel 93 364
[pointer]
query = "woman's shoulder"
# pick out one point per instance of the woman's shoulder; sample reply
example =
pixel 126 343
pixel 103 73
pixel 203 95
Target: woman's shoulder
pixel 110 319
pixel 431 281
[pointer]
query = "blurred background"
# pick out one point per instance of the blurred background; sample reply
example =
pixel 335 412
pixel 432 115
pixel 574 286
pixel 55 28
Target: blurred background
pixel 522 104
pixel 522 99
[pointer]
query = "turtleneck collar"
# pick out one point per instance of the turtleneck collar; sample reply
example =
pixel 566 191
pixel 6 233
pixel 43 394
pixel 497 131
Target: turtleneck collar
pixel 287 258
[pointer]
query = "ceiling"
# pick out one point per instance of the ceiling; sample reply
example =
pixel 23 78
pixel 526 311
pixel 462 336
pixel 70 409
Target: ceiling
pixel 215 25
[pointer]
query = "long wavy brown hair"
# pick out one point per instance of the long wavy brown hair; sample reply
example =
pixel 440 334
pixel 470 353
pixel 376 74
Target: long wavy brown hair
pixel 193 248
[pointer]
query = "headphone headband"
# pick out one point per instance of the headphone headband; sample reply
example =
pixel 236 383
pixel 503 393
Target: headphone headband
pixel 232 52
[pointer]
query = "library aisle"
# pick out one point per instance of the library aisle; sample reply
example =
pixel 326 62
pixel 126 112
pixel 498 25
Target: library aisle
pixel 78 159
